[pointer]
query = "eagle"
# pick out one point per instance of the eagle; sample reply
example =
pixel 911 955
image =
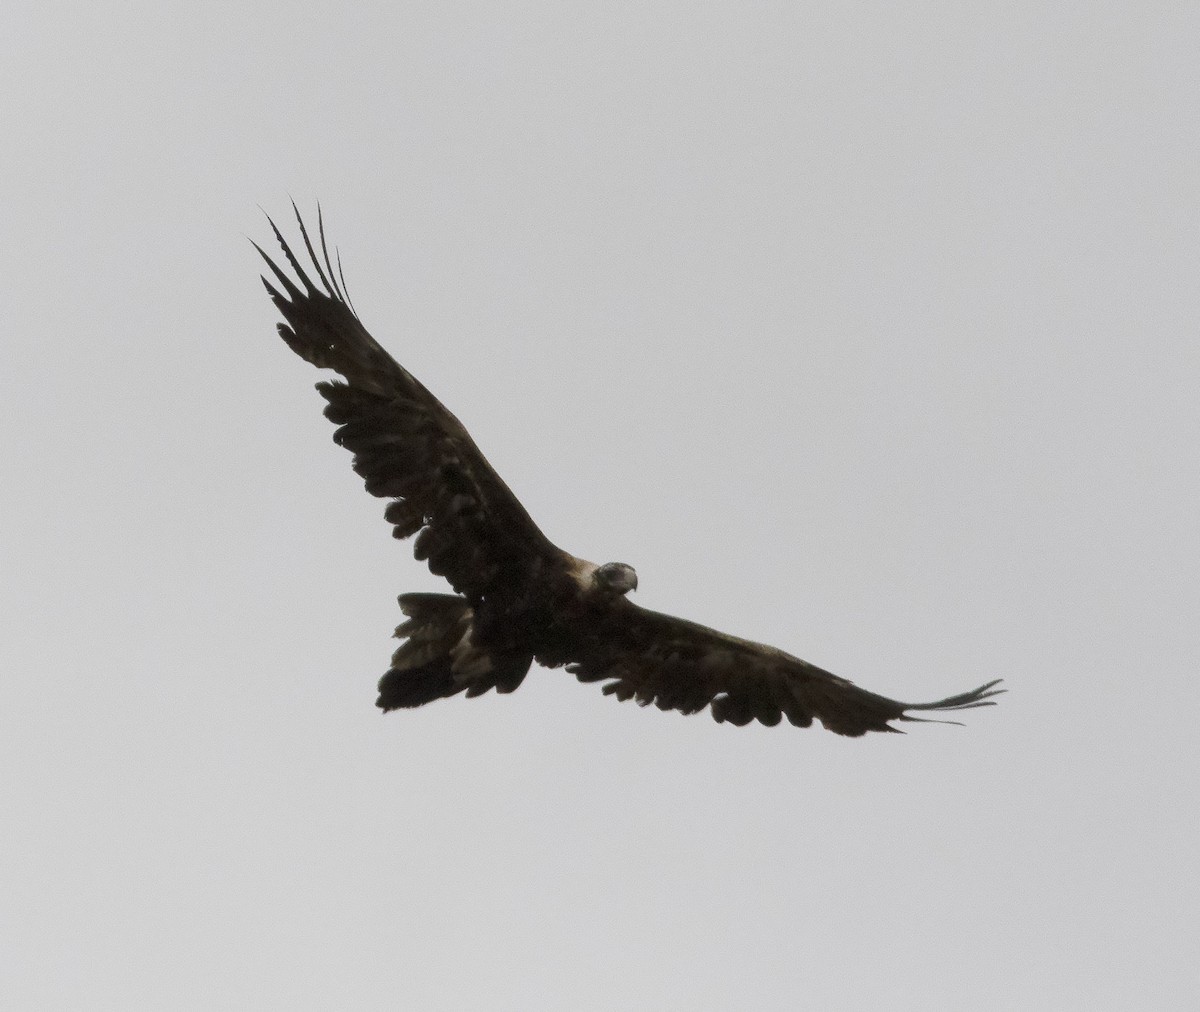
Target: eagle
pixel 518 598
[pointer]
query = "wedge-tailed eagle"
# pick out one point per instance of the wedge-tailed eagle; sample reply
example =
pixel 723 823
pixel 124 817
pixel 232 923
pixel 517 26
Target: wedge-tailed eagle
pixel 517 597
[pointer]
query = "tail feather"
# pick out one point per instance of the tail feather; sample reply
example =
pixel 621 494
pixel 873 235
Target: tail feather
pixel 438 658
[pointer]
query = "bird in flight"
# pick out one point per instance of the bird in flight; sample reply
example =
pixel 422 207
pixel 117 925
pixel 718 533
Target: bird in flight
pixel 517 597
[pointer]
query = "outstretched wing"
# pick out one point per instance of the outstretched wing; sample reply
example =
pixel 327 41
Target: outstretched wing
pixel 680 665
pixel 470 527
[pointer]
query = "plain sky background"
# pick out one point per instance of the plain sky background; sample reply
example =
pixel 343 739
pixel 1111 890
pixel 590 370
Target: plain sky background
pixel 870 331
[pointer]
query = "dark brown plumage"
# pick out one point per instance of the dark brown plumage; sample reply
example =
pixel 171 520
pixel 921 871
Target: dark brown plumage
pixel 518 598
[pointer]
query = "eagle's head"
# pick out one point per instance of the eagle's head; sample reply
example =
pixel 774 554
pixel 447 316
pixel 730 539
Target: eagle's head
pixel 614 578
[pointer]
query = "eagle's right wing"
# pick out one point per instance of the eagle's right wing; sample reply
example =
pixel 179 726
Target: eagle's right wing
pixel 680 665
pixel 470 527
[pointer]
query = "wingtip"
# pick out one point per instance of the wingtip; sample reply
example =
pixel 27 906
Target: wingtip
pixel 332 281
pixel 333 278
pixel 284 280
pixel 982 696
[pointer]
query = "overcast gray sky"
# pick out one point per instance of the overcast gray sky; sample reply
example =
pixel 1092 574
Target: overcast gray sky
pixel 868 332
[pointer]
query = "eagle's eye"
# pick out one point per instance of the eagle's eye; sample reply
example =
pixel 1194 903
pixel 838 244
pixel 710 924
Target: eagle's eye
pixel 616 577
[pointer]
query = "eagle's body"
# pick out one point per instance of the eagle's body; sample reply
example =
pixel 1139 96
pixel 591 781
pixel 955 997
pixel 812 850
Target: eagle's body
pixel 519 598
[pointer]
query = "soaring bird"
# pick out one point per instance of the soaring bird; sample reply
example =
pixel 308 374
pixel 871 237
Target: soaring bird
pixel 517 597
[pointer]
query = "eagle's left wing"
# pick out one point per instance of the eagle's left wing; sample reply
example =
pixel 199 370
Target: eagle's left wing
pixel 680 665
pixel 407 445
